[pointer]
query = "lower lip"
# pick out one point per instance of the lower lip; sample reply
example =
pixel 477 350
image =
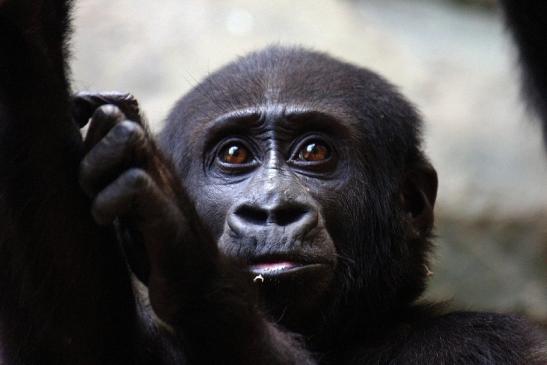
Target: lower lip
pixel 283 270
pixel 273 268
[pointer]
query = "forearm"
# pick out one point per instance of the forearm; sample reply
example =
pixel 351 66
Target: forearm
pixel 65 295
pixel 223 324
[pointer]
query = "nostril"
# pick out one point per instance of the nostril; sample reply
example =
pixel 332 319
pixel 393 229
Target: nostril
pixel 288 215
pixel 252 215
pixel 283 215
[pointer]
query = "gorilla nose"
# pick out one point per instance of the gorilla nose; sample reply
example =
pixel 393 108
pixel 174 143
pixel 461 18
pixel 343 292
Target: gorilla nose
pixel 298 217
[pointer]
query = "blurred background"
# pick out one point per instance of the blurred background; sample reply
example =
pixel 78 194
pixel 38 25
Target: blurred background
pixel 452 58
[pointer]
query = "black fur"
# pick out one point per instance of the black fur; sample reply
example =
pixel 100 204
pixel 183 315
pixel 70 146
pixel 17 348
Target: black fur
pixel 527 20
pixel 65 290
pixel 364 216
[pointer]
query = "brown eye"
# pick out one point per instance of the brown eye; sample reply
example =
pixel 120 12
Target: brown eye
pixel 314 152
pixel 234 154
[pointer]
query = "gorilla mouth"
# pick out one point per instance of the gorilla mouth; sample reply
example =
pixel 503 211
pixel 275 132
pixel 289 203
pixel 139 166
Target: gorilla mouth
pixel 269 268
pixel 279 267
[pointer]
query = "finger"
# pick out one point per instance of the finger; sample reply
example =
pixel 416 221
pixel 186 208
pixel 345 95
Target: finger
pixel 118 198
pixel 85 103
pixel 136 202
pixel 124 145
pixel 102 121
pixel 135 195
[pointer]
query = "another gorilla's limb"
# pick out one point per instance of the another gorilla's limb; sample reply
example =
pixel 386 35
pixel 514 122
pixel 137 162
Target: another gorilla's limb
pixel 527 19
pixel 206 300
pixel 65 293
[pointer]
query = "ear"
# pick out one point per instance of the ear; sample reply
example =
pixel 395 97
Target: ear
pixel 418 195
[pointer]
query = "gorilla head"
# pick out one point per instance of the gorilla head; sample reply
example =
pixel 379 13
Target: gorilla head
pixel 309 172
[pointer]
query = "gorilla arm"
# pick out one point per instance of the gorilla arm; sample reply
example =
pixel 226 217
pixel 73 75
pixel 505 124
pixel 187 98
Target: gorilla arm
pixel 206 300
pixel 65 294
pixel 527 20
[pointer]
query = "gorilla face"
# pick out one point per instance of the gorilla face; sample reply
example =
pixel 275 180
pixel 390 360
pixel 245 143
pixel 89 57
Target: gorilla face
pixel 308 171
pixel 267 173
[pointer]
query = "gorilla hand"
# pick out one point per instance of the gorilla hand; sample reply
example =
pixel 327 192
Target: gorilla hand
pixel 131 184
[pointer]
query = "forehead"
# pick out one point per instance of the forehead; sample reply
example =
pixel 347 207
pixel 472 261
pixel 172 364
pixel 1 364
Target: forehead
pixel 285 116
pixel 272 99
pixel 284 87
pixel 285 77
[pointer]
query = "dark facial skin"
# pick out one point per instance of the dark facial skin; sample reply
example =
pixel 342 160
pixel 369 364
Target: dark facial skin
pixel 269 172
pixel 271 204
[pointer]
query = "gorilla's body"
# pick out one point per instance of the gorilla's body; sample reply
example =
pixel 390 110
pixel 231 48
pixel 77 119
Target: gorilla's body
pixel 283 216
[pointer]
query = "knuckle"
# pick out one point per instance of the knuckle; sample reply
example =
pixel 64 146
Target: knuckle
pixel 108 111
pixel 138 179
pixel 129 132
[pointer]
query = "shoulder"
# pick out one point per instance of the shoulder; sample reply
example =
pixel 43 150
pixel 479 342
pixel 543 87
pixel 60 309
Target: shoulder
pixel 477 338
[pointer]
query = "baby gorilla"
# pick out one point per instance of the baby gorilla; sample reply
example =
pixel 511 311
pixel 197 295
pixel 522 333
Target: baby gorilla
pixel 284 218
